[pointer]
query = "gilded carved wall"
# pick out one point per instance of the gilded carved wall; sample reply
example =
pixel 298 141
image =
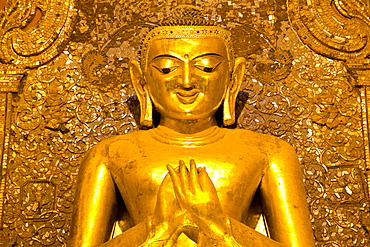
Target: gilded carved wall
pixel 65 86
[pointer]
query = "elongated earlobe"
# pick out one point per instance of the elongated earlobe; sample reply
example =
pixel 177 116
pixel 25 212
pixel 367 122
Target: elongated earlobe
pixel 146 107
pixel 232 91
pixel 146 115
pixel 229 110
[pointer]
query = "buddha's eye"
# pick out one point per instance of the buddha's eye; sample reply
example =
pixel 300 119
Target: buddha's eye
pixel 166 70
pixel 208 62
pixel 206 68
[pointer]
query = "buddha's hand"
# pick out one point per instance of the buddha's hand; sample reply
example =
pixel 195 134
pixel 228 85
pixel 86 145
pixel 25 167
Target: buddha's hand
pixel 165 224
pixel 197 195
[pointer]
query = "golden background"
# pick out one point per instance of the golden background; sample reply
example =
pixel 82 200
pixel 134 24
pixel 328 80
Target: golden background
pixel 65 86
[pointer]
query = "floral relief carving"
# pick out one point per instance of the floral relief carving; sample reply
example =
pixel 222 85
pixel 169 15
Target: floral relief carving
pixel 84 95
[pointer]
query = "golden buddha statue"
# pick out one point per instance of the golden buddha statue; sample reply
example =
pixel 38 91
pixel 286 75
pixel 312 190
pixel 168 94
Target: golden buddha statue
pixel 188 182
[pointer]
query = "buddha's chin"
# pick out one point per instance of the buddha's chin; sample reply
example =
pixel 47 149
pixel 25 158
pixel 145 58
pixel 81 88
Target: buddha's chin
pixel 190 116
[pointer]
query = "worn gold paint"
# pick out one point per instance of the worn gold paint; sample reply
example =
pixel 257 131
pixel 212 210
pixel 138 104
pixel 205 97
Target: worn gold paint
pixel 187 175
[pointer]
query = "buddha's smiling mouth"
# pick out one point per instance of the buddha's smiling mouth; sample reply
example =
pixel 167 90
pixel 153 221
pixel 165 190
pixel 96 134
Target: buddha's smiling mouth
pixel 187 97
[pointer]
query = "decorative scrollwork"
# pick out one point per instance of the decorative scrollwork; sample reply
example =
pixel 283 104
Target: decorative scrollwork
pixel 336 29
pixel 33 32
pixel 42 207
pixel 84 95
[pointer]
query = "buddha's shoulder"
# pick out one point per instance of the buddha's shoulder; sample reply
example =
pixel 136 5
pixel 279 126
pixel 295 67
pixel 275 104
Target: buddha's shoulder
pixel 251 136
pixel 121 143
pixel 266 143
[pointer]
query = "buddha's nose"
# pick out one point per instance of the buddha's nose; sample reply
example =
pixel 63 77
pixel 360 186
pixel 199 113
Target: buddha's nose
pixel 186 82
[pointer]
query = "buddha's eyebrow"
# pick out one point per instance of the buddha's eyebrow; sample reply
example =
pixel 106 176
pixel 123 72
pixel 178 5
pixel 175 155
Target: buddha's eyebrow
pixel 208 54
pixel 165 55
pixel 174 57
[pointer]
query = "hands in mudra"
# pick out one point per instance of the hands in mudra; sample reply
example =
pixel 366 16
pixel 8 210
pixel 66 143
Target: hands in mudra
pixel 187 200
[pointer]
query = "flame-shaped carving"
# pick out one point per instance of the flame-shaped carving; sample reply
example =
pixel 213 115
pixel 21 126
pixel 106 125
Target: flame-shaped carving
pixel 33 32
pixel 337 29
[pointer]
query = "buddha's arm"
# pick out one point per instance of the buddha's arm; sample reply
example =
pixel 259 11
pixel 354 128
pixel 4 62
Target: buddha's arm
pixel 95 210
pixel 284 199
pixel 159 230
pixel 95 205
pixel 241 235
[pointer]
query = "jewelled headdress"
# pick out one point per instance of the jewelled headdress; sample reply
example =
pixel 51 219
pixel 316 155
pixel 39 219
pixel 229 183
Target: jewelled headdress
pixel 186 21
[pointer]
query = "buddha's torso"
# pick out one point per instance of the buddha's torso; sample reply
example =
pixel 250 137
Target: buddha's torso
pixel 234 160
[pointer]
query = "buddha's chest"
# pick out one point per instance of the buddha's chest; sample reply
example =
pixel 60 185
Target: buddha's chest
pixel 234 169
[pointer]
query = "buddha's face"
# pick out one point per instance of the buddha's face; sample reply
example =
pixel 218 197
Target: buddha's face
pixel 187 78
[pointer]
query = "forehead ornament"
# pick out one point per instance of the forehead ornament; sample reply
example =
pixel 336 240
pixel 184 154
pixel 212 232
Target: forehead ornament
pixel 179 32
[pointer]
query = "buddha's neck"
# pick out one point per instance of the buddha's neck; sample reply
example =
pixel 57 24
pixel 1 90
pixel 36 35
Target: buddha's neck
pixel 188 126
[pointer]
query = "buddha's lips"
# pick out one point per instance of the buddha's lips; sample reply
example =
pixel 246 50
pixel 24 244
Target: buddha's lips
pixel 187 97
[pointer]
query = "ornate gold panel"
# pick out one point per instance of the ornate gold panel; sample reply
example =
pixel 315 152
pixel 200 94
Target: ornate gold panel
pixel 33 32
pixel 71 90
pixel 336 29
pixel 340 30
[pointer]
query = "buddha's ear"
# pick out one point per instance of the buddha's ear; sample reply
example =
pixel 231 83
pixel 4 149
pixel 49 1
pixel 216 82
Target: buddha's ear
pixel 233 90
pixel 137 77
pixel 138 81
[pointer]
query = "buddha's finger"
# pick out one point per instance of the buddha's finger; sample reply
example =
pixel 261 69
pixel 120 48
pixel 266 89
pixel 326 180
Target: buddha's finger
pixel 194 180
pixel 205 181
pixel 176 182
pixel 167 185
pixel 165 182
pixel 166 192
pixel 201 171
pixel 184 176
pixel 181 162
